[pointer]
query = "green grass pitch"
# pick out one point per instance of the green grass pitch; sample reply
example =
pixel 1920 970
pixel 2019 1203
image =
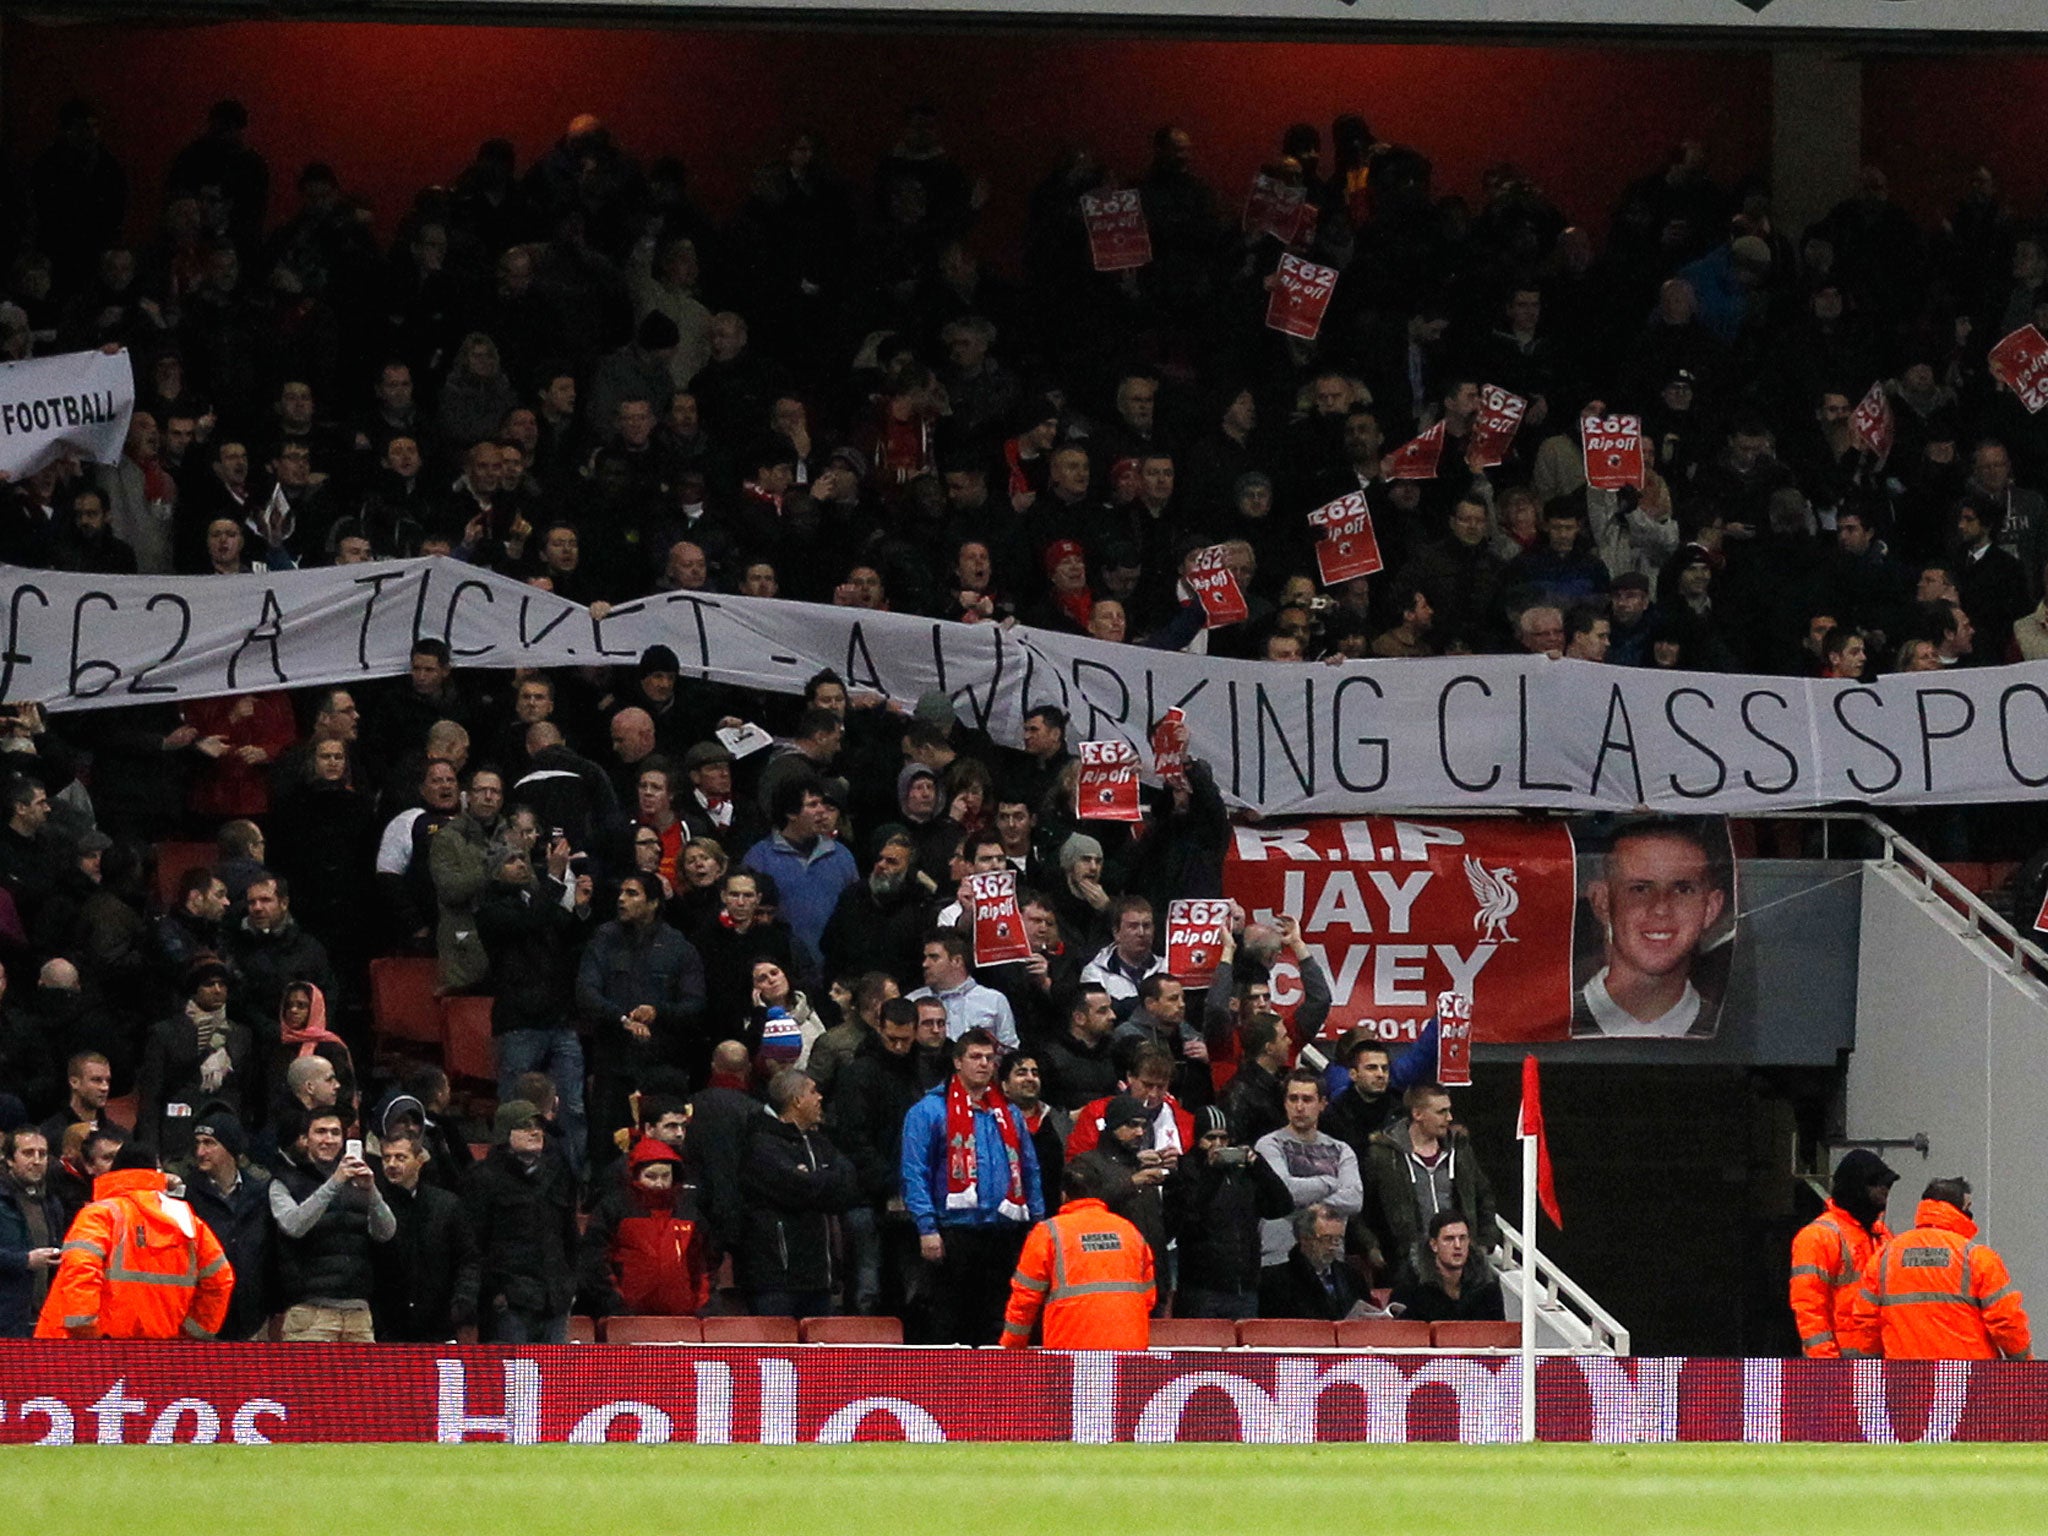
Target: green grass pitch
pixel 1031 1489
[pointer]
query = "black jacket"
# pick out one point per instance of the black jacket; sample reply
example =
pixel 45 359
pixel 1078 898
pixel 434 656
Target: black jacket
pixel 422 1270
pixel 524 1222
pixel 264 964
pixel 18 1288
pixel 1479 1299
pixel 332 1261
pixel 532 941
pixel 241 1220
pixel 1293 1290
pixel 793 1183
pixel 865 1118
pixel 1215 1212
pixel 1352 1119
pixel 1075 1074
pixel 1254 1103
pixel 878 933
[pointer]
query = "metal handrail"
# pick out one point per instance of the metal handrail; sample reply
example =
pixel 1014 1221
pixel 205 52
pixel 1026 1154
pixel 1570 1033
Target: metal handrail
pixel 2022 955
pixel 1558 1292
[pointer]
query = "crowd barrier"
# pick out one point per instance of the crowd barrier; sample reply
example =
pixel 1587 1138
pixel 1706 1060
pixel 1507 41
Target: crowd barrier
pixel 128 1394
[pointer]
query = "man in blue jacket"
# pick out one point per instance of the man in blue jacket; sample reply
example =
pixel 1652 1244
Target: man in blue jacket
pixel 809 868
pixel 971 1184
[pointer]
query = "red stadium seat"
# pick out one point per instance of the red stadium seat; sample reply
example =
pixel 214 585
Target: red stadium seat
pixel 1382 1333
pixel 1476 1335
pixel 582 1330
pixel 172 860
pixel 1286 1333
pixel 1193 1333
pixel 650 1330
pixel 402 1000
pixel 750 1330
pixel 466 1046
pixel 851 1330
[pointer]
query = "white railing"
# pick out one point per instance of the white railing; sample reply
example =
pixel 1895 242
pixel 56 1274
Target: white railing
pixel 1563 1308
pixel 2022 956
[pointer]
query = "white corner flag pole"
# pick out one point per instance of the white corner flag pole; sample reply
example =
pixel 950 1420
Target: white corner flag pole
pixel 1528 1362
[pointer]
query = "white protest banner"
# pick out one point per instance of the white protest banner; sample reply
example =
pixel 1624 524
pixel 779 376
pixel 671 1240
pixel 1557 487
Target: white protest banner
pixel 1439 734
pixel 76 402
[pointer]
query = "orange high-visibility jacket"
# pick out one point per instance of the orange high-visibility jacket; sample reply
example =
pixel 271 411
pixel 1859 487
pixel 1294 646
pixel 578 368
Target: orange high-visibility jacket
pixel 1091 1271
pixel 137 1264
pixel 1936 1293
pixel 1828 1255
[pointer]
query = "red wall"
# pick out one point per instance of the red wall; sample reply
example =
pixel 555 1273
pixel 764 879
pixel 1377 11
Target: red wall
pixel 1930 122
pixel 399 107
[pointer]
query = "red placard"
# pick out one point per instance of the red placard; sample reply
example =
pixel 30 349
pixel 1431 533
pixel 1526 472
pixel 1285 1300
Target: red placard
pixel 1394 909
pixel 1874 424
pixel 1500 417
pixel 1417 458
pixel 1348 548
pixel 1215 584
pixel 1454 1039
pixel 1273 207
pixel 999 935
pixel 1301 296
pixel 1195 931
pixel 2020 363
pixel 1614 451
pixel 1107 789
pixel 1170 747
pixel 1119 240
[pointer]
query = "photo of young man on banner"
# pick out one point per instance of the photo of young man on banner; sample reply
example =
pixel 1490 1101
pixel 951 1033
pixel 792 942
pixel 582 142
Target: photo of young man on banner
pixel 1657 928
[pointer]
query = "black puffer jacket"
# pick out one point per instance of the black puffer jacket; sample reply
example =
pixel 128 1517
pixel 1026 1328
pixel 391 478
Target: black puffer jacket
pixel 524 1221
pixel 1215 1212
pixel 793 1183
pixel 424 1269
pixel 874 1092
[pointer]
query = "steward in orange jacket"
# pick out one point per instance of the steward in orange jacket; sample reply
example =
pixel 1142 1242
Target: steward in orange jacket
pixel 1829 1252
pixel 1936 1293
pixel 137 1263
pixel 1091 1272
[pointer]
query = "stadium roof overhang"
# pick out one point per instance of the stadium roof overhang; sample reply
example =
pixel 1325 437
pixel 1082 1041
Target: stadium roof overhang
pixel 1879 24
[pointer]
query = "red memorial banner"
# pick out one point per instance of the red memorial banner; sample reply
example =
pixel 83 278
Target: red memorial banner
pixel 1401 910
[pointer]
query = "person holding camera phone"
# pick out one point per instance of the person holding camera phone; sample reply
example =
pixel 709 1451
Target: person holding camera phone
pixel 328 1209
pixel 1214 1207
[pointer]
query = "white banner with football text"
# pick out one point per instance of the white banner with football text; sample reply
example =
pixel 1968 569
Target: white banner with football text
pixel 76 403
pixel 1455 733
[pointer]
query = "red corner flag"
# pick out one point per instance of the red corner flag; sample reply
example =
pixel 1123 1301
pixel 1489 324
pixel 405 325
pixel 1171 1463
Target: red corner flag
pixel 1531 1124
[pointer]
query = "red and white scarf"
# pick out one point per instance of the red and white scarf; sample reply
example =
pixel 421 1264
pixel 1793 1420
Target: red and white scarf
pixel 962 1164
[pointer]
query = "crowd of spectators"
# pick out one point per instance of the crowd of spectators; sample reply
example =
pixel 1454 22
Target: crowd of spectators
pixel 734 1005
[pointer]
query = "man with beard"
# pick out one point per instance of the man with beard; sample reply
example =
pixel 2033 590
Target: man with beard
pixel 879 922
